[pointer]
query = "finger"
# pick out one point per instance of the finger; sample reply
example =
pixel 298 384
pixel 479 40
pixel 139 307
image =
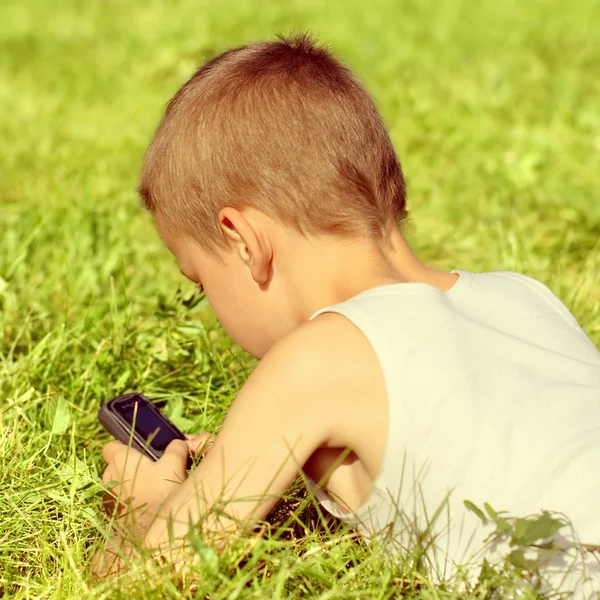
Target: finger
pixel 108 502
pixel 101 565
pixel 200 443
pixel 176 455
pixel 197 436
pixel 107 562
pixel 122 457
pixel 111 494
pixel 113 503
pixel 111 448
pixel 108 475
pixel 177 449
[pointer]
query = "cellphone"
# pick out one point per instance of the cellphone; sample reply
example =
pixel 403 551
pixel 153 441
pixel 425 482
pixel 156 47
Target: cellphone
pixel 133 416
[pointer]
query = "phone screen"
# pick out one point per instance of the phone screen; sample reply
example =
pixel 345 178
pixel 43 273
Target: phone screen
pixel 147 422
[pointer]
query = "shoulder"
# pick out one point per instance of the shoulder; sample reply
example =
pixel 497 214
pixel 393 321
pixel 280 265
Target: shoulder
pixel 329 347
pixel 330 366
pixel 530 297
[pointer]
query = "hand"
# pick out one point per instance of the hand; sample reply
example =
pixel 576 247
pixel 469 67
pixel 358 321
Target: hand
pixel 200 443
pixel 108 561
pixel 143 485
pixel 116 558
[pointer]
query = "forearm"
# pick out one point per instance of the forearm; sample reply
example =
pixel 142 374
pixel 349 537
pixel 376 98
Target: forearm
pixel 213 511
pixel 240 479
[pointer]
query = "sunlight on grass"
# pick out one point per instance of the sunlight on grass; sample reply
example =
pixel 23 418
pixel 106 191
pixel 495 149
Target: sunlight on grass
pixel 493 108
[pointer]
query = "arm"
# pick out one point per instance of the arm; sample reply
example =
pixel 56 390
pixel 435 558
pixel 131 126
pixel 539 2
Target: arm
pixel 309 392
pixel 274 425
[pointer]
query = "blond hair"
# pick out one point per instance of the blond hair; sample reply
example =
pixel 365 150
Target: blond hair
pixel 283 127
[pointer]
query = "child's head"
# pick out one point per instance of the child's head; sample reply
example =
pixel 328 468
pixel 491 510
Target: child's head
pixel 274 136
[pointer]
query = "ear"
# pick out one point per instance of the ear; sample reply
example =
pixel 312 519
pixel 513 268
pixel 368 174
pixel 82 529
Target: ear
pixel 248 241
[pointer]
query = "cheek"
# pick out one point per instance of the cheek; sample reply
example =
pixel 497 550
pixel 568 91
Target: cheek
pixel 231 312
pixel 241 321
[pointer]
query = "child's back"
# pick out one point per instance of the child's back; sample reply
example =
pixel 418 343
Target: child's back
pixel 494 396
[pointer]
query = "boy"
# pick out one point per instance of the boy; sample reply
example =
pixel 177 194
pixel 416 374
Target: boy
pixel 398 387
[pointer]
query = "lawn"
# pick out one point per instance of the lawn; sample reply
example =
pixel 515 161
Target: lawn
pixel 494 108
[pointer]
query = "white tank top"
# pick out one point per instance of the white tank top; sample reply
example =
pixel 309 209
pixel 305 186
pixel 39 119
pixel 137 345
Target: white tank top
pixel 493 395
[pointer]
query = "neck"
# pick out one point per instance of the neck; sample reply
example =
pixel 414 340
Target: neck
pixel 321 271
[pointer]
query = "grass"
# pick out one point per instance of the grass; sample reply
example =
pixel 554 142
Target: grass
pixel 494 109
